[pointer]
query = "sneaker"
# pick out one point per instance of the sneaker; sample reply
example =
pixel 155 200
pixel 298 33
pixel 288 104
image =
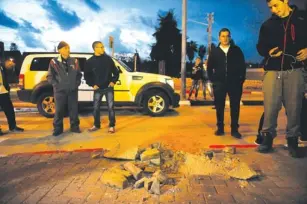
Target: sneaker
pixel 236 134
pixel 93 129
pixel 258 140
pixel 75 130
pixel 111 130
pixel 17 129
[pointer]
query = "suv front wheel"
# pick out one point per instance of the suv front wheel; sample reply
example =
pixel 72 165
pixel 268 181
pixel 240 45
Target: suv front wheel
pixel 156 103
pixel 46 105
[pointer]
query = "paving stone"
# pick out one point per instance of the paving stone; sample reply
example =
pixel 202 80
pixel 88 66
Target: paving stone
pixel 118 153
pixel 150 154
pixel 247 199
pixel 135 171
pixel 155 187
pixel 114 180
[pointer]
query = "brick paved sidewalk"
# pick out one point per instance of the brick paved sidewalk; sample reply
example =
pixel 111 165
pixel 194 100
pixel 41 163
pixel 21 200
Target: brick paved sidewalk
pixel 75 178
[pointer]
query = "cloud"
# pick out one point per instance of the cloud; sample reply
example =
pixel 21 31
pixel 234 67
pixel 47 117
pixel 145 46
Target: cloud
pixel 65 18
pixel 92 5
pixel 30 39
pixel 43 24
pixel 7 21
pixel 135 39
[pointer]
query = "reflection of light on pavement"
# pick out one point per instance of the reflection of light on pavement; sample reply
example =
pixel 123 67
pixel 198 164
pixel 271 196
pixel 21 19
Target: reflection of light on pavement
pixel 3 139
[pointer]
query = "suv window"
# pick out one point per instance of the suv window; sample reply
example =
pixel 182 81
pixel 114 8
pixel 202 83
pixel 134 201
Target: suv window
pixel 42 63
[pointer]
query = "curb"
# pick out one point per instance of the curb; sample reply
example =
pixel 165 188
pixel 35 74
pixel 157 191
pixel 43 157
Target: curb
pixel 56 152
pixel 241 146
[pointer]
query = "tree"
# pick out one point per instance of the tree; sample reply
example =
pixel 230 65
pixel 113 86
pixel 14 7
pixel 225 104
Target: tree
pixel 191 49
pixel 13 47
pixel 202 51
pixel 168 44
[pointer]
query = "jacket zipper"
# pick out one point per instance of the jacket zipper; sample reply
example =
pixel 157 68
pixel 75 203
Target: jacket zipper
pixel 226 65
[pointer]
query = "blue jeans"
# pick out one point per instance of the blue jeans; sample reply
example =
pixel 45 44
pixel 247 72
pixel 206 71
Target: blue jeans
pixel 98 94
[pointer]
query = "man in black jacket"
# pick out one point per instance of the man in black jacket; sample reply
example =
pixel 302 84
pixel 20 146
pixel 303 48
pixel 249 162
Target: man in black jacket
pixel 101 73
pixel 65 76
pixel 283 43
pixel 5 100
pixel 227 70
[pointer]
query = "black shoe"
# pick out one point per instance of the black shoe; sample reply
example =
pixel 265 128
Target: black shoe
pixel 236 134
pixel 267 144
pixel 293 147
pixel 259 139
pixel 219 132
pixel 75 130
pixel 1 133
pixel 17 129
pixel 57 132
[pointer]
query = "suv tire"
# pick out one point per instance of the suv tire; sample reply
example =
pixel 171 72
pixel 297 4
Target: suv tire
pixel 46 105
pixel 156 103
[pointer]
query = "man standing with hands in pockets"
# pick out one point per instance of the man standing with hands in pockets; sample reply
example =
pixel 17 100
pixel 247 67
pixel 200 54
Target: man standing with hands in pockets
pixel 101 74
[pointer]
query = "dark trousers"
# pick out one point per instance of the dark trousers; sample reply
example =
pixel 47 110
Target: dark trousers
pixel 195 85
pixel 98 94
pixel 234 91
pixel 7 107
pixel 62 100
pixel 303 119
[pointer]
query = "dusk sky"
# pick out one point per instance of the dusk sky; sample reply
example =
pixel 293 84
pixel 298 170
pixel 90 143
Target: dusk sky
pixel 38 25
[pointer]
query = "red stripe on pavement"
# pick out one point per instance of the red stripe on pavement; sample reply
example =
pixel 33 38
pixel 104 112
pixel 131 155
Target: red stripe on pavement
pixel 236 145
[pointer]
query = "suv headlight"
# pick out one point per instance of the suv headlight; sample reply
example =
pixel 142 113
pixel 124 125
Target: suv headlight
pixel 170 82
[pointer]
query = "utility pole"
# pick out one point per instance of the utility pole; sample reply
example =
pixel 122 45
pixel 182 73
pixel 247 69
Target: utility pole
pixel 210 19
pixel 111 44
pixel 183 49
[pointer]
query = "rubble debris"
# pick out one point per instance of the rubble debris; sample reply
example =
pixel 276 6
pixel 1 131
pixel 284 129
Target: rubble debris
pixel 114 179
pixel 160 176
pixel 156 145
pixel 140 183
pixel 150 154
pixel 156 162
pixel 135 171
pixel 118 153
pixel 117 170
pixel 140 151
pixel 243 183
pixel 209 154
pixel 147 184
pixel 150 169
pixel 155 186
pixel 230 150
pixel 242 171
pixel 142 164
